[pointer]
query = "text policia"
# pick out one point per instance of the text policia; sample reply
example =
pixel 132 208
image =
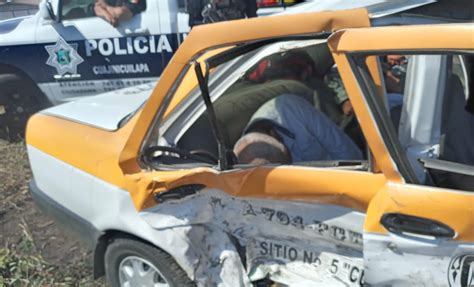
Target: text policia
pixel 129 46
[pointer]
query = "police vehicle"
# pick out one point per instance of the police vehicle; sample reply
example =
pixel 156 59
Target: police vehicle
pixel 59 54
pixel 65 52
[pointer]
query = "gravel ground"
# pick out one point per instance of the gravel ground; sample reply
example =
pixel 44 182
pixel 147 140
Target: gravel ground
pixel 33 249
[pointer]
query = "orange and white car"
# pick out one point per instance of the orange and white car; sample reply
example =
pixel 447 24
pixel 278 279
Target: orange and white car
pixel 153 185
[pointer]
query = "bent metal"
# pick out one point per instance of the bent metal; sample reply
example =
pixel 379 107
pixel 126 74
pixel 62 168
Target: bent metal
pixel 129 46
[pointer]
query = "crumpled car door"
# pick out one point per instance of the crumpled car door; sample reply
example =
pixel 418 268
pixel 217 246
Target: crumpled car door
pixel 290 224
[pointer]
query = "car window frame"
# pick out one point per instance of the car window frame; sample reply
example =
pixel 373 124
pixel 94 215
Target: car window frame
pixel 217 87
pixel 196 103
pixel 377 107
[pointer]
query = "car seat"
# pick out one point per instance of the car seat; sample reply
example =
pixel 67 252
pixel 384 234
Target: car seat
pixel 457 139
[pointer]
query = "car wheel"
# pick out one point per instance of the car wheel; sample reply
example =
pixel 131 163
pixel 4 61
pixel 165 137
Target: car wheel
pixel 19 99
pixel 131 262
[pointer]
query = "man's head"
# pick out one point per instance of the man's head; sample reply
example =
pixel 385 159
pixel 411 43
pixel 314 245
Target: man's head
pixel 293 65
pixel 395 68
pixel 259 148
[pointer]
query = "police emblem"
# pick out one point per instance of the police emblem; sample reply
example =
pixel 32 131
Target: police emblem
pixel 461 271
pixel 63 57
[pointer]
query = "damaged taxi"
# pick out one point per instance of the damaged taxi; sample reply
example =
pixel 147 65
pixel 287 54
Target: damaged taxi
pixel 156 187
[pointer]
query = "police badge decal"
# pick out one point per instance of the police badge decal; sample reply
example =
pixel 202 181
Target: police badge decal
pixel 63 57
pixel 461 271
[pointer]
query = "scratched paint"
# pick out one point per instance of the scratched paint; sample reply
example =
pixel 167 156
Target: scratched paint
pixel 240 240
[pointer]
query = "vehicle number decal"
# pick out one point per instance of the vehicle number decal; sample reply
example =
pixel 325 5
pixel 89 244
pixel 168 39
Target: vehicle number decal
pixel 332 266
pixel 321 228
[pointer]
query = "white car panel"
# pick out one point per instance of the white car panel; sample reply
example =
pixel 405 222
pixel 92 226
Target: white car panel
pixel 437 260
pixel 105 111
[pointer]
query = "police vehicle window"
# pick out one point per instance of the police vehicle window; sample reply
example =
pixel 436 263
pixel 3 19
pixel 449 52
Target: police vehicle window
pixel 73 9
pixel 288 108
pixel 430 113
pixel 112 11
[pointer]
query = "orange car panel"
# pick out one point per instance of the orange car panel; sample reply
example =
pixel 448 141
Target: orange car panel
pixel 284 183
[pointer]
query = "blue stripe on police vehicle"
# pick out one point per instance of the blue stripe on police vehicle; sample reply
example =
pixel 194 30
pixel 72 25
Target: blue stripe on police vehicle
pixel 116 56
pixel 93 66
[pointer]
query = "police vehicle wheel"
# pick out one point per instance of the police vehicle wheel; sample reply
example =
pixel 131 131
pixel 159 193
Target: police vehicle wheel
pixel 19 99
pixel 131 262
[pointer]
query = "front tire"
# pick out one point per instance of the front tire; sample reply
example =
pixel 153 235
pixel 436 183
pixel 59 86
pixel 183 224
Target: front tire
pixel 19 99
pixel 131 262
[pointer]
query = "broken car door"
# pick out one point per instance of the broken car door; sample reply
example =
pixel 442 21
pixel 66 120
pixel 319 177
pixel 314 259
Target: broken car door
pixel 291 223
pixel 421 230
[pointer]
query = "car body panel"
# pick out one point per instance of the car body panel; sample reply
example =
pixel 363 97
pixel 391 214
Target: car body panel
pixel 231 227
pixel 110 207
pixel 105 111
pixel 455 36
pixel 439 205
pixel 87 148
pixel 376 8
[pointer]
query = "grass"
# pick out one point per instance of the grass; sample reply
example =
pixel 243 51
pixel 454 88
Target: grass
pixel 23 265
pixel 33 250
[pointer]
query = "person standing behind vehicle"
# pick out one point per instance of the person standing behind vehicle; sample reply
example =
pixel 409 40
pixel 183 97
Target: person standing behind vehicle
pixel 121 10
pixel 211 11
pixel 225 10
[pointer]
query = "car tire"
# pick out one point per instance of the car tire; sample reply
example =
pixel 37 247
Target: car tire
pixel 140 264
pixel 19 99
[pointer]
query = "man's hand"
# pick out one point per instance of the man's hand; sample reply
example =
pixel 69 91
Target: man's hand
pixel 100 9
pixel 121 13
pixel 393 83
pixel 111 14
pixel 347 108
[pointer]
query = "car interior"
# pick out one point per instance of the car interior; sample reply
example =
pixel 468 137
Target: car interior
pixel 433 121
pixel 302 71
pixel 454 166
pixel 309 72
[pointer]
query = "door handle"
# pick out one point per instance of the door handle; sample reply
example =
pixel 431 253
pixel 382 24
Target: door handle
pixel 178 192
pixel 400 223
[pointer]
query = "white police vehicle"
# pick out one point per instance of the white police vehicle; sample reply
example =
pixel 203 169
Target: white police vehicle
pixel 58 55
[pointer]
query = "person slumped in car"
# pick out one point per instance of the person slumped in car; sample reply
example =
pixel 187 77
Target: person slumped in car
pixel 306 133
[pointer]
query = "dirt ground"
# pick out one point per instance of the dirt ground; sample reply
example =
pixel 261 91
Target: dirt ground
pixel 33 249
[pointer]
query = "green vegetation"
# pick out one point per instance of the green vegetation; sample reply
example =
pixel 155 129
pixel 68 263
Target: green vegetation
pixel 33 250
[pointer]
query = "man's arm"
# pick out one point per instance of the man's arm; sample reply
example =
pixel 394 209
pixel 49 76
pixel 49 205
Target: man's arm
pixel 100 10
pixel 120 14
pixel 115 15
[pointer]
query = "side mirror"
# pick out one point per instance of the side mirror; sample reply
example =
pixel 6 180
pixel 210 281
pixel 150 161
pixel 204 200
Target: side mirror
pixel 46 11
pixel 43 11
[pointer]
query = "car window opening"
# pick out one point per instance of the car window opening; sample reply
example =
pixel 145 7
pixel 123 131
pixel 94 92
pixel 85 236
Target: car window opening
pixel 426 112
pixel 297 80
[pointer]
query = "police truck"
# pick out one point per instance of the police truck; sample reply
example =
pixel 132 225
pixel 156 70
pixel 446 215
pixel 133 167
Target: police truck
pixel 63 52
